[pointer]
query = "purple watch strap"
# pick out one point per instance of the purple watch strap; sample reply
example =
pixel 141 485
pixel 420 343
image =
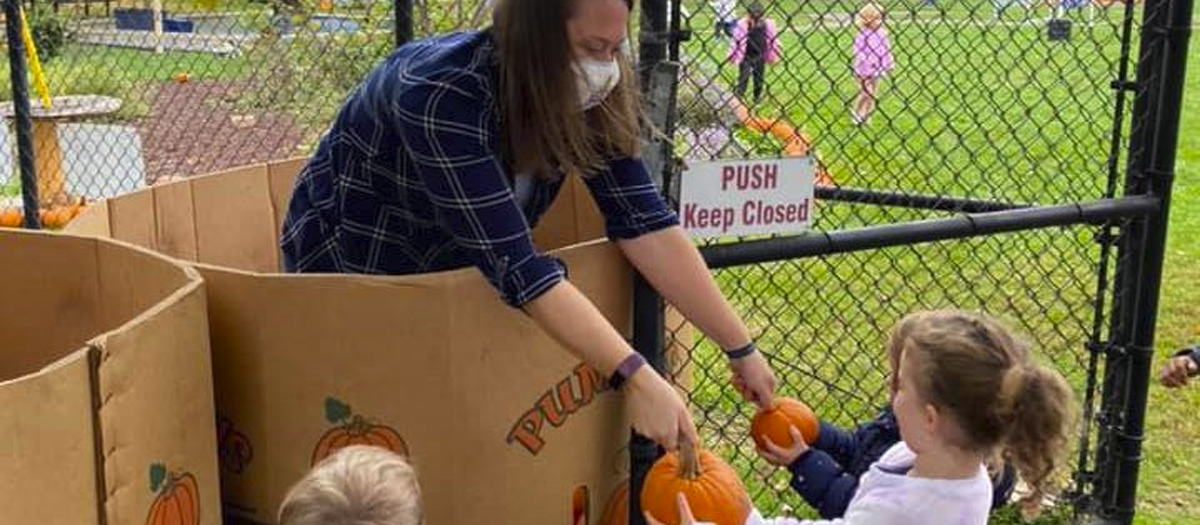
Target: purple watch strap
pixel 625 370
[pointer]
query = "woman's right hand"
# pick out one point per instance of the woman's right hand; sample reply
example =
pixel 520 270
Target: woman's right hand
pixel 657 410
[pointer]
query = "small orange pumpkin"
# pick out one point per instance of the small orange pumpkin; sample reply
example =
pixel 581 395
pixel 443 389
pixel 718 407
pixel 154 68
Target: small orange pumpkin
pixel 178 500
pixel 11 218
pixel 354 429
pixel 713 489
pixel 774 423
pixel 616 511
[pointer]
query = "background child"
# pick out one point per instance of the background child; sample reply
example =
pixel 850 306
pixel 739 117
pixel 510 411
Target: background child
pixel 872 60
pixel 755 45
pixel 827 474
pixel 1183 366
pixel 967 392
pixel 357 485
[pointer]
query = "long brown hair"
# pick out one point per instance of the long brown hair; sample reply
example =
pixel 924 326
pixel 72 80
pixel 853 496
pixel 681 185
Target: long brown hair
pixel 974 368
pixel 543 126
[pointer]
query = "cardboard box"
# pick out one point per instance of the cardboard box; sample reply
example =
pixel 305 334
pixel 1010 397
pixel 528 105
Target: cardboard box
pixel 105 383
pixel 502 424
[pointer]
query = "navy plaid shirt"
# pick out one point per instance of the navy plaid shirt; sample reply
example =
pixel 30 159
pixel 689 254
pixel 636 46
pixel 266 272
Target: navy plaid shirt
pixel 409 180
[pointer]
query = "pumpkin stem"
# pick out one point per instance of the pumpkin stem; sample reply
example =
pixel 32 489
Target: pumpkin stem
pixel 689 466
pixel 358 425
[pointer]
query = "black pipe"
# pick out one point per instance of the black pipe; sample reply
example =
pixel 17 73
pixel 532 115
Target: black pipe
pixel 678 35
pixel 958 227
pixel 911 200
pixel 1085 475
pixel 22 112
pixel 648 326
pixel 1157 110
pixel 652 37
pixel 403 12
pixel 647 305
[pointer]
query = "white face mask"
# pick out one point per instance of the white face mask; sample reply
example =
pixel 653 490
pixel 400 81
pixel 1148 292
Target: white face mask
pixel 595 80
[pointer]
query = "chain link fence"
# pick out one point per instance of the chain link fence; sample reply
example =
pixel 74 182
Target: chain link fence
pixel 990 105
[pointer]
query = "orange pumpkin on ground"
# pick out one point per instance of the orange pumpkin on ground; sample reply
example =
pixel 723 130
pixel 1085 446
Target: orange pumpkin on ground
pixel 178 500
pixel 713 489
pixel 11 218
pixel 774 423
pixel 353 429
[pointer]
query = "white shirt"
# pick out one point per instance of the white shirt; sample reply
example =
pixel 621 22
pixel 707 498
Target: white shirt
pixel 887 496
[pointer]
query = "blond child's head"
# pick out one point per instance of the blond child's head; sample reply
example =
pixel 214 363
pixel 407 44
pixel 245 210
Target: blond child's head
pixel 870 16
pixel 968 383
pixel 357 485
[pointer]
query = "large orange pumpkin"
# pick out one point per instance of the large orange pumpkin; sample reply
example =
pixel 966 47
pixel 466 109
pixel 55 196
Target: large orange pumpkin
pixel 178 500
pixel 354 429
pixel 713 489
pixel 616 511
pixel 774 423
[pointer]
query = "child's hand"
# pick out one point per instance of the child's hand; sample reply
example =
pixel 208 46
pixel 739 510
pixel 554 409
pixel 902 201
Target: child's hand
pixel 1177 371
pixel 685 514
pixel 782 457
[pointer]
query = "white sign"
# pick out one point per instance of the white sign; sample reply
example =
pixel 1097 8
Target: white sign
pixel 747 197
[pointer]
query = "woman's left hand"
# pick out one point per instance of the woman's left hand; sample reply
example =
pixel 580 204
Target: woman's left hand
pixel 753 378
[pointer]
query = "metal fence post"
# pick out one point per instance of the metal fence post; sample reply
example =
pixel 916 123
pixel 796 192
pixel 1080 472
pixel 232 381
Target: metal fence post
pixel 22 112
pixel 1157 109
pixel 403 13
pixel 648 340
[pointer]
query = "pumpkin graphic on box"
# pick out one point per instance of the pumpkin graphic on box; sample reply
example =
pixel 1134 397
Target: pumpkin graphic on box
pixel 616 511
pixel 354 429
pixel 178 500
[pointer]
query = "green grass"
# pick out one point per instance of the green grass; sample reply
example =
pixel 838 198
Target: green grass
pixel 993 112
pixel 10 189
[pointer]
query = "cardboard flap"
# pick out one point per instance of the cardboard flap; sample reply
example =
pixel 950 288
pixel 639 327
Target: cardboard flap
pixel 282 176
pixel 133 220
pixel 175 220
pixel 234 223
pixel 52 306
pixel 92 221
pixel 157 408
pixel 49 473
pixel 573 218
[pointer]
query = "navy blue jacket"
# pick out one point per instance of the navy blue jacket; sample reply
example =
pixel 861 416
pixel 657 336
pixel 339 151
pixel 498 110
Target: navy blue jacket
pixel 826 476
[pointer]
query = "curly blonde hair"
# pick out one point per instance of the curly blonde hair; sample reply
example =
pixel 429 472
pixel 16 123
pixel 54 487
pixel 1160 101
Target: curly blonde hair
pixel 357 485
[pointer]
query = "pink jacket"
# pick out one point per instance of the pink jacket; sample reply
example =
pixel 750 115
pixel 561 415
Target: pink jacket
pixel 738 51
pixel 872 53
